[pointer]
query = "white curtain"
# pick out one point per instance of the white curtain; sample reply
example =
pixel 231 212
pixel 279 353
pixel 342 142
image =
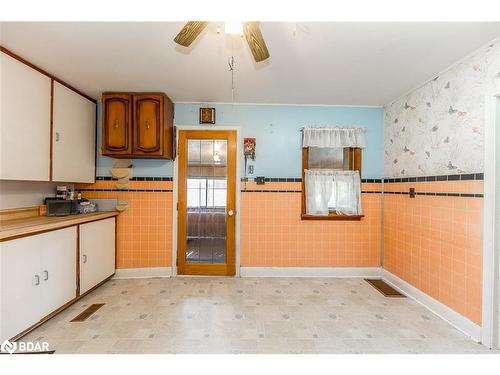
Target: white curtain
pixel 332 136
pixel 332 190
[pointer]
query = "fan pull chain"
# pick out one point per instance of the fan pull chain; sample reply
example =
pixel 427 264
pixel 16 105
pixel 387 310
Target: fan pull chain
pixel 231 69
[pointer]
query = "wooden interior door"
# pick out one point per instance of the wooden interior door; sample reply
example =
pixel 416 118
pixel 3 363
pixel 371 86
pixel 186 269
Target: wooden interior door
pixel 148 137
pixel 206 202
pixel 117 124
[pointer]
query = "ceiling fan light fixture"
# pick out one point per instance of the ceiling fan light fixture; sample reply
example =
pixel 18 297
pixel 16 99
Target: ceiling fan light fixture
pixel 233 27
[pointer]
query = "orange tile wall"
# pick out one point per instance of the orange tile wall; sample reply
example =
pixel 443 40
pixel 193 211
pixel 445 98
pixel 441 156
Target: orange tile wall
pixel 435 242
pixel 144 231
pixel 273 235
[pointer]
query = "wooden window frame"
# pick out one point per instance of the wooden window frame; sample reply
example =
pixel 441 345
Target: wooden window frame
pixel 354 155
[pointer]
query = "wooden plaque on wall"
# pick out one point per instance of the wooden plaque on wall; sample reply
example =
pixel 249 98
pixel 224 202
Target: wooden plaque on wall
pixel 207 115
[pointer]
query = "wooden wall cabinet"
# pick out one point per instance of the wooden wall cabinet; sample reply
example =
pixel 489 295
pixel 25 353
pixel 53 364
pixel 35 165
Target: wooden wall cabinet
pixel 137 125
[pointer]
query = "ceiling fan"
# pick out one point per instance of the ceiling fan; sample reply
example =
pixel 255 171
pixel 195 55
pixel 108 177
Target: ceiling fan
pixel 251 30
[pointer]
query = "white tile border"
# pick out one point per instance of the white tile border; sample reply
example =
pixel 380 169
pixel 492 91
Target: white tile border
pixel 139 273
pixel 455 319
pixel 310 271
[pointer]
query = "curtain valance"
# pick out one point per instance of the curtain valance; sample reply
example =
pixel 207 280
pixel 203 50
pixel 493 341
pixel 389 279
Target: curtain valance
pixel 332 136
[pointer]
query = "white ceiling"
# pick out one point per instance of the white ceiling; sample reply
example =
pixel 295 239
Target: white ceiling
pixel 311 63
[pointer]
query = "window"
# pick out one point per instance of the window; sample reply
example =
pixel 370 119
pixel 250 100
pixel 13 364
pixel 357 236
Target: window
pixel 206 193
pixel 331 178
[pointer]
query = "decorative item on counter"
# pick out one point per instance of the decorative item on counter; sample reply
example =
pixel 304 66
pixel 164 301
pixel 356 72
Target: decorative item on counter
pixel 86 207
pixel 207 116
pixel 122 206
pixel 61 191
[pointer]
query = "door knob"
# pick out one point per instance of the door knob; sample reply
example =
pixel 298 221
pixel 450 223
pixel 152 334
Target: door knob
pixel 230 213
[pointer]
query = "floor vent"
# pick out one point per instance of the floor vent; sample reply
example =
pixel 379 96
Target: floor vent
pixel 87 312
pixel 384 288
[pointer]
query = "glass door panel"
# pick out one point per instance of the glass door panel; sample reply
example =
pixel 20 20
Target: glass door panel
pixel 206 182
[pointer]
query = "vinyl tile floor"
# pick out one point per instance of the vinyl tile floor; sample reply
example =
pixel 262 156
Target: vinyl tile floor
pixel 250 315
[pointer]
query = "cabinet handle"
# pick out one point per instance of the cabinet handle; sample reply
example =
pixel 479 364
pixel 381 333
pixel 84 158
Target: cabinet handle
pixel 116 124
pixel 147 124
pixel 37 280
pixel 57 136
pixel 84 258
pixel 45 275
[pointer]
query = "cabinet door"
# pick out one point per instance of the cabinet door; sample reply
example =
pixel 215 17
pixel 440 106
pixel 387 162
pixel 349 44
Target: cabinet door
pixel 116 124
pixel 24 122
pixel 73 137
pixel 97 252
pixel 57 269
pixel 20 285
pixel 148 135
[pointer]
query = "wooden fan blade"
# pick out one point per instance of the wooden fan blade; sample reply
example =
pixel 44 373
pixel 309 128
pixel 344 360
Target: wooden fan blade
pixel 189 32
pixel 255 41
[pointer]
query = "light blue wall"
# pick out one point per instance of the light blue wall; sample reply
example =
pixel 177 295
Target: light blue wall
pixel 276 129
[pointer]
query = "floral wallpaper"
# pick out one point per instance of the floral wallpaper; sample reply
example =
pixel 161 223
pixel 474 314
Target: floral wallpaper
pixel 438 128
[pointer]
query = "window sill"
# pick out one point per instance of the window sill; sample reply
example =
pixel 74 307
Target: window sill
pixel 333 217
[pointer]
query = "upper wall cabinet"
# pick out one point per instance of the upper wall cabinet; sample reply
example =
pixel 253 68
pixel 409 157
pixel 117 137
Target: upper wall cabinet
pixel 117 131
pixel 47 128
pixel 137 125
pixel 73 136
pixel 24 122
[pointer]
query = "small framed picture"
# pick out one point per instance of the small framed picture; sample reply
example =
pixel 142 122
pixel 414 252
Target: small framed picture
pixel 207 115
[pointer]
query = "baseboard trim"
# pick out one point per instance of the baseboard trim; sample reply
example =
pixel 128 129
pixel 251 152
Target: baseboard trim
pixel 139 273
pixel 310 271
pixel 451 316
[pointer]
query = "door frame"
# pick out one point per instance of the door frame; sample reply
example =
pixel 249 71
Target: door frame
pixel 239 152
pixel 491 231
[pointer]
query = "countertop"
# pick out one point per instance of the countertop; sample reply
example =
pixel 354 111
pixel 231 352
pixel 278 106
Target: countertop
pixel 10 229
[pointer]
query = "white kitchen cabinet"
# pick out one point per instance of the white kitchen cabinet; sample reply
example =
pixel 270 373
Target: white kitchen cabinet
pixel 97 252
pixel 38 275
pixel 73 136
pixel 57 269
pixel 20 285
pixel 24 122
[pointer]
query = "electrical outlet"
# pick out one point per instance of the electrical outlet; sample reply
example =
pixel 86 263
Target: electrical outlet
pixel 250 169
